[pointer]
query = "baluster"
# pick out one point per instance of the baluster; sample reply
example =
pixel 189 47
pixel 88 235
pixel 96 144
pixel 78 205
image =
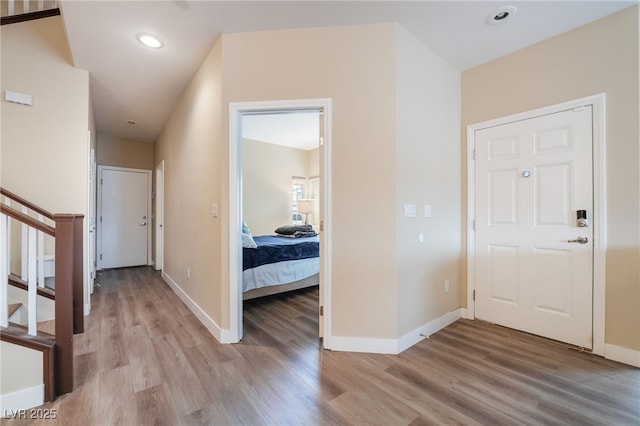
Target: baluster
pixel 24 271
pixel 4 274
pixel 7 201
pixel 11 8
pixel 33 284
pixel 25 6
pixel 40 5
pixel 40 254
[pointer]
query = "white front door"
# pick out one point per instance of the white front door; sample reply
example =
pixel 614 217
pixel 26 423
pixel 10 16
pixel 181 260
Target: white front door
pixel 534 263
pixel 124 217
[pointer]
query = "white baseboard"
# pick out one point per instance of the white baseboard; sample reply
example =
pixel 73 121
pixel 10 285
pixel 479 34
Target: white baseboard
pixel 623 355
pixel 428 329
pixel 87 309
pixel 12 403
pixel 363 344
pixel 223 336
pixel 394 346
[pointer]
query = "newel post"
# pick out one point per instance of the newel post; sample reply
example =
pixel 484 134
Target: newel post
pixel 64 273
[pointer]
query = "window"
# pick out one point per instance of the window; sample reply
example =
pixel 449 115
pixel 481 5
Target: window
pixel 314 194
pixel 297 193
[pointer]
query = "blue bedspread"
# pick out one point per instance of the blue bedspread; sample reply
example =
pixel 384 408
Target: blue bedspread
pixel 273 249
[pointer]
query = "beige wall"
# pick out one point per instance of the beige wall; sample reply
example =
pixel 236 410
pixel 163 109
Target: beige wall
pixel 44 148
pixel 335 63
pixel 267 170
pixel 428 173
pixel 376 118
pixel 195 172
pixel 339 63
pixel 117 152
pixel 601 57
pixel 15 379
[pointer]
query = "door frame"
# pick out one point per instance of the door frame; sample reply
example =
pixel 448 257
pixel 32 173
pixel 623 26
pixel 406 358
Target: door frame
pixel 99 215
pixel 597 102
pixel 236 111
pixel 159 217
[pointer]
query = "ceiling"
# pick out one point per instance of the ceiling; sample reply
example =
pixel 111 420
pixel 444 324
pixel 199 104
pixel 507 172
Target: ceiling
pixel 295 129
pixel 130 82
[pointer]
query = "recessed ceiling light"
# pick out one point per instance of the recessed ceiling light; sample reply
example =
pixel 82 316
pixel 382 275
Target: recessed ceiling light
pixel 501 15
pixel 150 40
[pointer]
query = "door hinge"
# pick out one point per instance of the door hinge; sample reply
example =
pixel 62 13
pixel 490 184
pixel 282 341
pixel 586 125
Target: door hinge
pixel 474 155
pixel 100 219
pixel 474 295
pixel 100 181
pixel 100 256
pixel 321 311
pixel 322 225
pixel 473 224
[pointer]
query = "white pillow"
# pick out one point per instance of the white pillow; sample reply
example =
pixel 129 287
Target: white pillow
pixel 248 241
pixel 245 228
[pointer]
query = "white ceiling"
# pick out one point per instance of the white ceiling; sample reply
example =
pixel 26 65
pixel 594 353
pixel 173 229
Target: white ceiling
pixel 293 129
pixel 132 82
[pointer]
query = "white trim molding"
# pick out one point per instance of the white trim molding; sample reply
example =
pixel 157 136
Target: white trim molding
pixel 623 355
pixel 12 404
pixel 597 102
pixel 236 111
pixel 395 346
pixel 222 335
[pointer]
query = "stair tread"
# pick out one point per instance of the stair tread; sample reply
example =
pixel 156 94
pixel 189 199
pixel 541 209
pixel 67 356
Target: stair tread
pixel 21 331
pixel 42 333
pixel 48 327
pixel 13 307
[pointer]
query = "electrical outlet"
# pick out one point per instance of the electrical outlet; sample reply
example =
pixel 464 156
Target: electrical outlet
pixel 446 286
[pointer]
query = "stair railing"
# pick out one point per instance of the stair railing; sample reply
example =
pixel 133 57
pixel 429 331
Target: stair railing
pixel 32 253
pixel 13 11
pixel 67 231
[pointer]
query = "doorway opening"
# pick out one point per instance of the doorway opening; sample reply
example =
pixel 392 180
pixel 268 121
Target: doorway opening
pixel 316 185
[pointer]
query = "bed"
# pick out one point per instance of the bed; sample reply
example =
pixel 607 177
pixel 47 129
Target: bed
pixel 279 263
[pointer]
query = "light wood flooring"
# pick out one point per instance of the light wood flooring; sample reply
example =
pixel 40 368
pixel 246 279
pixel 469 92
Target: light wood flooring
pixel 146 360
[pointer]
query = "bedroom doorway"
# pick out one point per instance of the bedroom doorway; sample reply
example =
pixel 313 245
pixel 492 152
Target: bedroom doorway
pixel 268 174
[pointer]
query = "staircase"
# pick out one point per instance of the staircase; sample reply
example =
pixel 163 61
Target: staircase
pixel 37 312
pixel 13 11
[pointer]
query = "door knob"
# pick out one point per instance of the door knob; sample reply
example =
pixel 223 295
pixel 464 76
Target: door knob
pixel 143 224
pixel 580 240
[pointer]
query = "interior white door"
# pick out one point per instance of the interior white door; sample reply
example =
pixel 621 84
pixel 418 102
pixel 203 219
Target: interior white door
pixel 534 263
pixel 124 218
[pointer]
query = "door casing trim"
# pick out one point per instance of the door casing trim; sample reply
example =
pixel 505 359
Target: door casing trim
pixel 236 110
pixel 598 103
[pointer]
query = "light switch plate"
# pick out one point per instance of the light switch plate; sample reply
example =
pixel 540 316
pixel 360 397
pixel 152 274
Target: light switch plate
pixel 409 210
